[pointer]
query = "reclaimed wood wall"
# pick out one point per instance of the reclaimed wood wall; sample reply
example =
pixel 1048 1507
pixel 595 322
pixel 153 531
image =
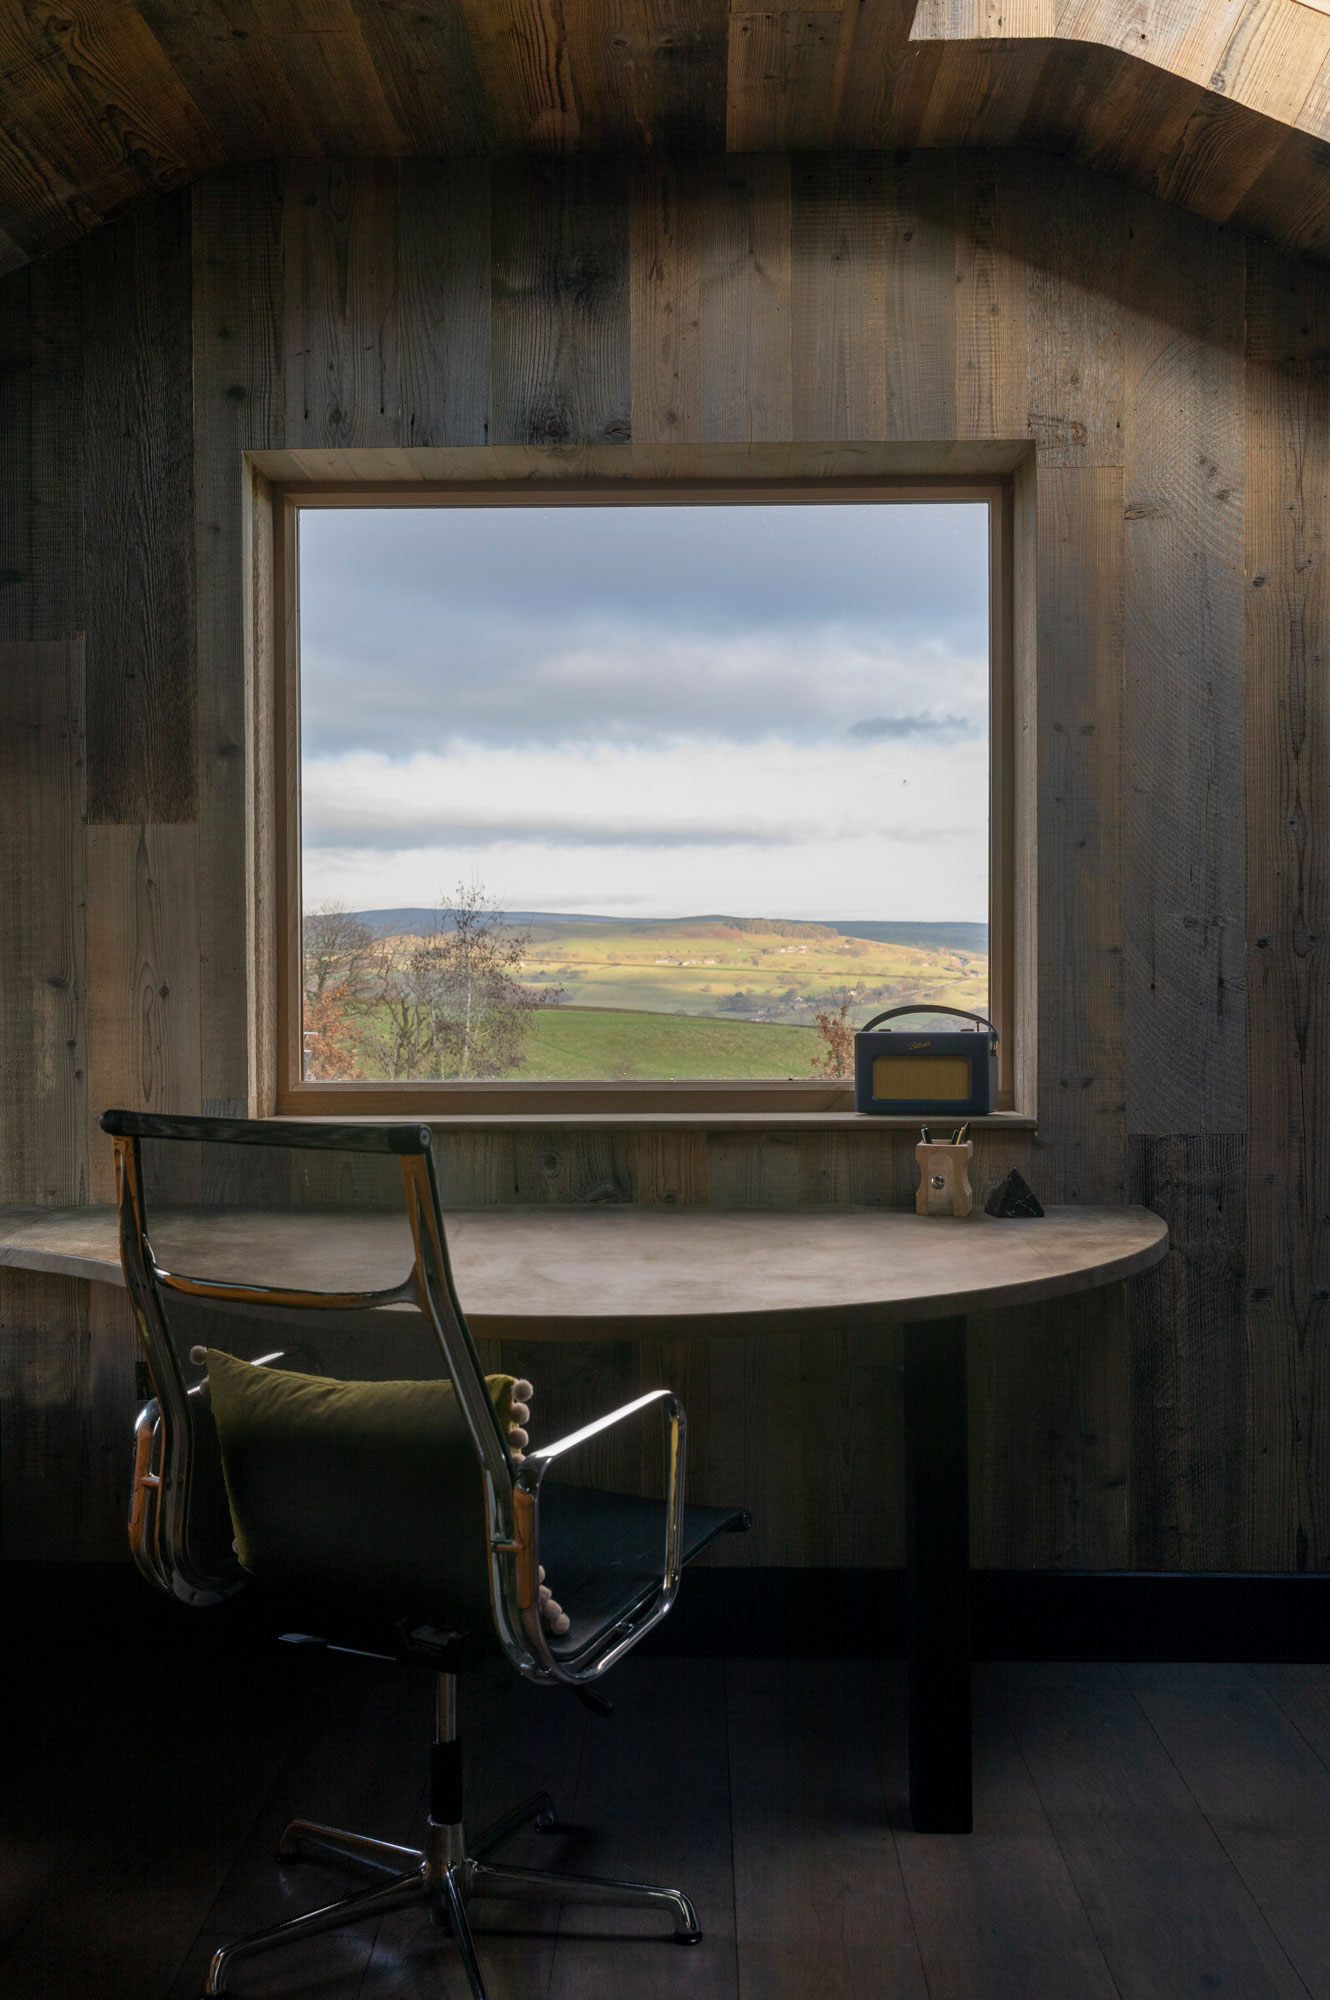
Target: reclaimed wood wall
pixel 1169 380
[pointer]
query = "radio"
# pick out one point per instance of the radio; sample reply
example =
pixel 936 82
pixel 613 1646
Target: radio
pixel 927 1072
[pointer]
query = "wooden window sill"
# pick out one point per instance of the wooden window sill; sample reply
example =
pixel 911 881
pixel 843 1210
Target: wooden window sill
pixel 670 1121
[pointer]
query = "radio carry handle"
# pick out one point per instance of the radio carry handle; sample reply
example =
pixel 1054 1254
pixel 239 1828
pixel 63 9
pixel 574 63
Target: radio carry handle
pixel 961 1014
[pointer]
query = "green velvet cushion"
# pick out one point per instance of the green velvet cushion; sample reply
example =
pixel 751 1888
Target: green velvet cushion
pixel 369 1491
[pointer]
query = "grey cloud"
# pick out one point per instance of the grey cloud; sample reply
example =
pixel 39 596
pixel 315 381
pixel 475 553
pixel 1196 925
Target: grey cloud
pixel 554 625
pixel 327 836
pixel 892 728
pixel 390 836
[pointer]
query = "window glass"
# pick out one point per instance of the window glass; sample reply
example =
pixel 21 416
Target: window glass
pixel 647 791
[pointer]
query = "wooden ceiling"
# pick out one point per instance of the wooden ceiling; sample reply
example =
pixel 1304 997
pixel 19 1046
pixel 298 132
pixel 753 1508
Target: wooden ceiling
pixel 1220 105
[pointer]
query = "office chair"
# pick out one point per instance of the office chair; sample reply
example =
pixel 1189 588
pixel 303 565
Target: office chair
pixel 220 1257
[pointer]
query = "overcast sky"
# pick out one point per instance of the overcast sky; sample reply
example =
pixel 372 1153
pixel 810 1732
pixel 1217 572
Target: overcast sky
pixel 654 711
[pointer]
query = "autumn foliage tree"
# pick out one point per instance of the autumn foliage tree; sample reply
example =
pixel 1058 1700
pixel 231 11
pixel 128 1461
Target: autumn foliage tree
pixel 837 1031
pixel 340 970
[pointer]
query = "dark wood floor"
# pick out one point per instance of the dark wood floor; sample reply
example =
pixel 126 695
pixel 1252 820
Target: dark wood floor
pixel 1152 1832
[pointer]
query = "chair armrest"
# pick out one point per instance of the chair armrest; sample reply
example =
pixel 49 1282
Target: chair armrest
pixel 145 1494
pixel 529 1478
pixel 541 1459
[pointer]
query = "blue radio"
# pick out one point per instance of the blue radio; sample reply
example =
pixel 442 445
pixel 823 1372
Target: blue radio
pixel 927 1072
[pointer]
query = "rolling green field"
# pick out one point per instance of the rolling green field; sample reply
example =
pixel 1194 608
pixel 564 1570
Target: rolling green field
pixel 701 996
pixel 575 1043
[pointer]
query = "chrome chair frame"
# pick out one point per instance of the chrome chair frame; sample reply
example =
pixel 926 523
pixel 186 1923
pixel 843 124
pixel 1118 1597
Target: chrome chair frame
pixel 447 1874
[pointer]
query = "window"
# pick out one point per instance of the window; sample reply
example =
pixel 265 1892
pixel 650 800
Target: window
pixel 633 800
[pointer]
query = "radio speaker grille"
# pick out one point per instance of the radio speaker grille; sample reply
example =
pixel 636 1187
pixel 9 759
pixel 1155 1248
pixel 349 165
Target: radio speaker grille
pixel 944 1078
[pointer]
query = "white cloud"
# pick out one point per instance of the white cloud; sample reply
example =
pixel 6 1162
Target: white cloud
pixel 892 829
pixel 762 710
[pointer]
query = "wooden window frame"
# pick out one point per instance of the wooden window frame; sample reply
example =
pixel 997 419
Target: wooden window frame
pixel 281 1086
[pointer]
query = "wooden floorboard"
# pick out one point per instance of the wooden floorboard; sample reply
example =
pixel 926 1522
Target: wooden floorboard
pixel 129 1783
pixel 1171 1913
pixel 997 1913
pixel 1261 1789
pixel 1303 1693
pixel 1141 1833
pixel 653 1796
pixel 819 1900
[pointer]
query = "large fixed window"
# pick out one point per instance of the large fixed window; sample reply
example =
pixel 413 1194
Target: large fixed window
pixel 634 800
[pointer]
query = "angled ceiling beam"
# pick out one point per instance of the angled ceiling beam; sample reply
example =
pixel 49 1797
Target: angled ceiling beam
pixel 1273 56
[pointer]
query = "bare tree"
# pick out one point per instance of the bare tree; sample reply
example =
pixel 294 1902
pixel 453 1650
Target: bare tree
pixel 339 951
pixel 455 1007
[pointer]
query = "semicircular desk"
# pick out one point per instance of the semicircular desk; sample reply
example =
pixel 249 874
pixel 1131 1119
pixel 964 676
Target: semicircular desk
pixel 620 1273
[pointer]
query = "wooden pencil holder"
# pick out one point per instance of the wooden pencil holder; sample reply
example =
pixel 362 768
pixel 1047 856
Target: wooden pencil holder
pixel 944 1179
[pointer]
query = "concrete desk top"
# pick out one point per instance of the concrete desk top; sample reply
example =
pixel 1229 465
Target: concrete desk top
pixel 585 1274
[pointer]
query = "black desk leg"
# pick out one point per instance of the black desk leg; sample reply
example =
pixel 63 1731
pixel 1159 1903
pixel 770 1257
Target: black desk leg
pixel 937 1574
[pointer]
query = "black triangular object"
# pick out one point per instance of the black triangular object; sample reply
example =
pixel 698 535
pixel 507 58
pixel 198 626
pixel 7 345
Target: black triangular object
pixel 1011 1197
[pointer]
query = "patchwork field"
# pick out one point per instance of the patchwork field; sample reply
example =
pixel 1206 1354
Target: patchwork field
pixel 759 969
pixel 710 996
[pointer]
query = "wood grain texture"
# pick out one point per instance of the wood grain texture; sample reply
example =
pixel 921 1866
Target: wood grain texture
pixel 138 520
pixel 560 305
pixel 841 238
pixel 1282 200
pixel 341 323
pixel 996 1911
pixel 1075 240
pixel 236 79
pixel 1182 820
pixel 143 978
pixel 1190 1369
pixel 109 106
pixel 1050 1436
pixel 527 73
pixel 444 294
pixel 322 49
pixel 425 63
pixel 747 378
pixel 41 433
pixel 680 1702
pixel 1165 1900
pixel 1082 1134
pixel 785 69
pixel 992 347
pixel 812 1845
pixel 1288 745
pixel 95 117
pixel 1250 1769
pixel 666 301
pixel 920 342
pixel 43 992
pixel 238 401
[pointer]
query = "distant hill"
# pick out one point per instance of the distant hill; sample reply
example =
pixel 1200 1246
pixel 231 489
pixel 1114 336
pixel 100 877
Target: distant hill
pixel 419 923
pixel 926 937
pixel 930 937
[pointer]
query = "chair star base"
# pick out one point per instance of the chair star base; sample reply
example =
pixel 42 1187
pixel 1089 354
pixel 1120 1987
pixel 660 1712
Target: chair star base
pixel 445 1878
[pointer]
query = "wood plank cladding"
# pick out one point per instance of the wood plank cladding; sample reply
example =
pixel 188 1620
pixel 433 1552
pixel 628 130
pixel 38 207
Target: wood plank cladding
pixel 1224 109
pixel 1288 884
pixel 1156 382
pixel 43 1082
pixel 138 518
